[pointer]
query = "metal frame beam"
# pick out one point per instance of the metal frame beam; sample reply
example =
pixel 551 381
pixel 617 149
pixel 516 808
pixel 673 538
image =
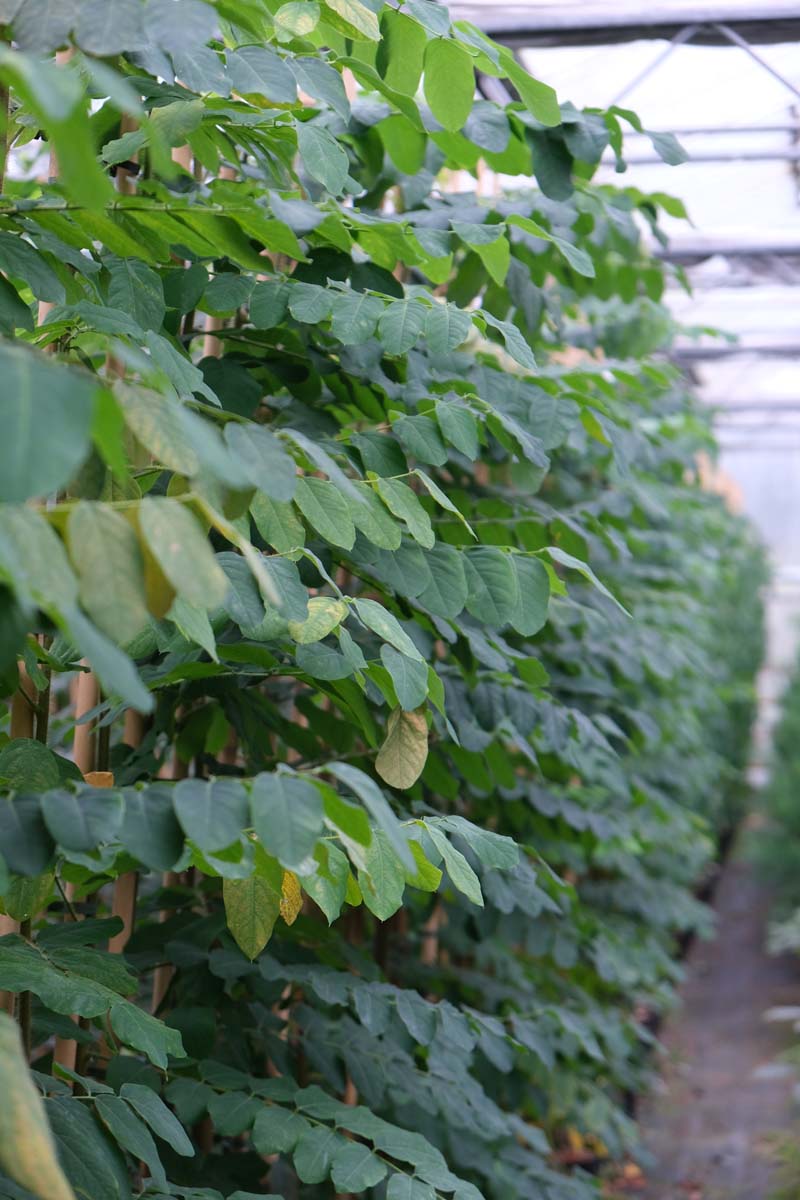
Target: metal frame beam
pixel 601 22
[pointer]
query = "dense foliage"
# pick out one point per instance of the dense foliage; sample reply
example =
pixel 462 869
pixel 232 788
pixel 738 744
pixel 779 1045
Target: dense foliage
pixel 776 842
pixel 418 661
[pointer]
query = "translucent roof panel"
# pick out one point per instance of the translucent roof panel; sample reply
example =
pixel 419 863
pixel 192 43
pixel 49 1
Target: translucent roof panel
pixel 614 21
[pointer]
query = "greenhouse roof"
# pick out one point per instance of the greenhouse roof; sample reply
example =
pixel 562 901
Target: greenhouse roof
pixel 573 22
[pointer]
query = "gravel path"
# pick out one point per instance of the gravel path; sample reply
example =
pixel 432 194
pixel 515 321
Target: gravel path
pixel 723 1092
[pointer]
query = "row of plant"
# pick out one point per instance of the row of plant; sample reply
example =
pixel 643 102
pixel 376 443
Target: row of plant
pixel 377 670
pixel 774 843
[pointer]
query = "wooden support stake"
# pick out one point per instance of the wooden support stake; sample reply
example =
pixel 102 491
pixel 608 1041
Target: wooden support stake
pixel 123 904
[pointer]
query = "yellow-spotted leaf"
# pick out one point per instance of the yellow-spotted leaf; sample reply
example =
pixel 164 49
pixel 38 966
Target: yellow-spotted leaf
pixel 251 910
pixel 291 898
pixel 403 754
pixel 324 614
pixel 27 1151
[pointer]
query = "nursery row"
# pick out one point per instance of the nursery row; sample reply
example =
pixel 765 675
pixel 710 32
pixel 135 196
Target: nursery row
pixel 378 672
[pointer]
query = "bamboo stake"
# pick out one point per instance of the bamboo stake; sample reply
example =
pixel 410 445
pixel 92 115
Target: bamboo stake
pixel 85 743
pixel 123 904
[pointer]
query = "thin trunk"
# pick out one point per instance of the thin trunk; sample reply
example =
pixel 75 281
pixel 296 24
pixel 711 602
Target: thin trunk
pixel 212 345
pixel 23 710
pixel 162 976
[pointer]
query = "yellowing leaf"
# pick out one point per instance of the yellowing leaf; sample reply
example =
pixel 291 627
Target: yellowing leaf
pixel 28 896
pixel 291 898
pixel 324 614
pixel 353 19
pixel 403 754
pixel 27 1152
pixel 251 910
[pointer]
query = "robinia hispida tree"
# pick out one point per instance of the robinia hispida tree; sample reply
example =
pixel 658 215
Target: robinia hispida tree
pixel 376 670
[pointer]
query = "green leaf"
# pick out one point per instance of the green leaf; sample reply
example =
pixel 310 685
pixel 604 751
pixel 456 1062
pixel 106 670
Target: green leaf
pixel 131 1133
pixel 291 595
pixel 355 1168
pixel 326 510
pixel 113 668
pixel 27 845
pixel 176 540
pixel 233 1113
pixel 27 1152
pixel 328 886
pixel 14 312
pixel 461 873
pixel 400 325
pixel 278 524
pixel 323 662
pixel 449 82
pixel 252 907
pixel 34 559
pixel 382 622
pixel 515 343
pixel 92 1162
pixel 426 877
pixel 83 821
pixel 258 70
pixel 493 849
pixel 313 1154
pixel 47 414
pixel 410 678
pixel 310 303
pixel 448 588
pixel 372 518
pixel 401 50
pixel 383 878
pixel 159 424
pixel 264 461
pixel 150 829
pixel 277 1131
pixel 323 157
pixel 446 327
pixel 226 292
pixel 492 585
pixel 576 564
pixel 539 99
pixel 287 816
pixel 531 609
pixel 404 144
pixel 24 899
pixel 212 812
pixel 401 500
pixel 19 259
pixel 163 1122
pixel 106 556
pixel 355 316
pixel 403 1187
pixel 137 290
pixel 27 765
pixel 323 82
pixel 375 802
pixel 193 623
pixel 243 601
pixel 420 438
pixel 353 19
pixel 140 1030
pixel 402 756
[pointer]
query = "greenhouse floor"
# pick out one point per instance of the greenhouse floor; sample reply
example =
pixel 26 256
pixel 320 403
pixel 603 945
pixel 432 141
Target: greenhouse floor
pixel 726 1095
